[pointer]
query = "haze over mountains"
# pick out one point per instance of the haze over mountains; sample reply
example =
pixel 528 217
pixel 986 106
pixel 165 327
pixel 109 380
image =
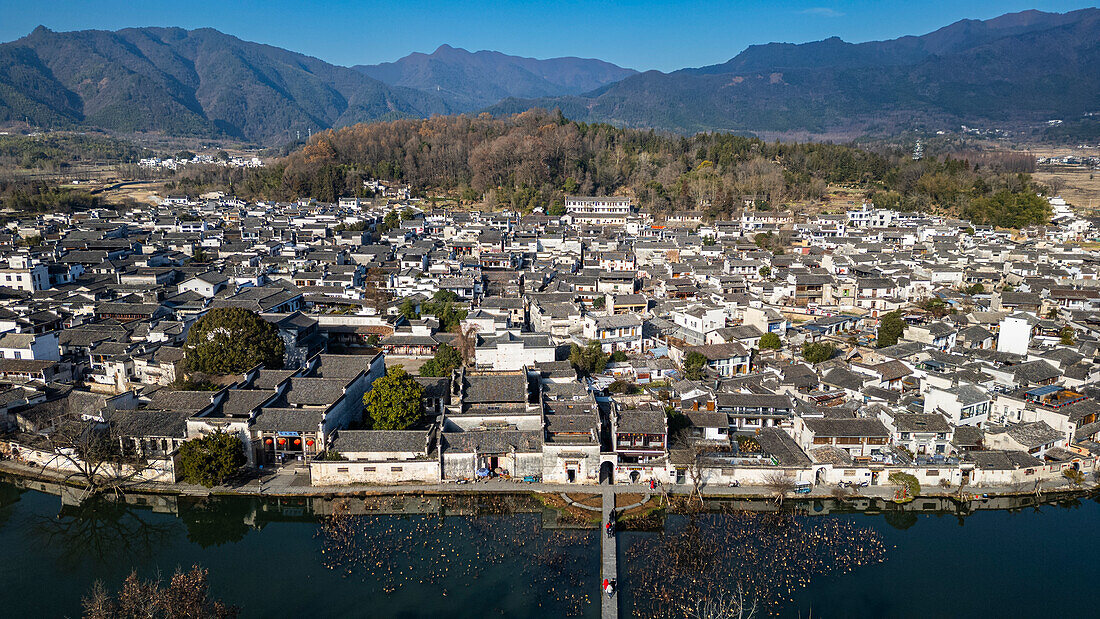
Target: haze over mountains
pixel 1018 68
pixel 471 81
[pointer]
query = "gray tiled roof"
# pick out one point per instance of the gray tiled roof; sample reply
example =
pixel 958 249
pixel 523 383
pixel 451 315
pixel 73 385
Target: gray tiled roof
pixel 495 388
pixel 413 441
pixel 1002 460
pixel 857 427
pixel 288 420
pixel 315 391
pixel 151 423
pixel 641 422
pixel 1035 434
pixel 341 366
pixel 779 445
pixel 493 441
pixel 190 401
pixel 930 422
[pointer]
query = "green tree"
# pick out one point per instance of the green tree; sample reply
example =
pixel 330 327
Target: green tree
pixel 390 221
pixel 695 365
pixel 557 209
pixel 442 307
pixel 1067 336
pixel 973 289
pixel 589 359
pixel 446 359
pixel 231 339
pixel 765 271
pixel 909 483
pixel 935 306
pixel 395 401
pixel 212 459
pixel 770 341
pixel 618 356
pixel 621 386
pixel 890 329
pixel 816 352
pixel 469 194
pixel 408 310
pixel 1007 209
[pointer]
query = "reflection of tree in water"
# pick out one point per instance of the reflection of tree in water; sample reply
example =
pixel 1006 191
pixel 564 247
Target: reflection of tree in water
pixel 101 529
pixel 399 551
pixel 217 520
pixel 9 495
pixel 769 554
pixel 901 519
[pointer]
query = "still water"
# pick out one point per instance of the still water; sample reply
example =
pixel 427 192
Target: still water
pixel 509 557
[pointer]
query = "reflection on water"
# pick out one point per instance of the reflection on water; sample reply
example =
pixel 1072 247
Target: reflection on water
pixel 100 530
pixel 476 556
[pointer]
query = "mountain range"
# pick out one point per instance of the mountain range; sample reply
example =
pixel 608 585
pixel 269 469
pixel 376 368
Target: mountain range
pixel 469 81
pixel 1018 68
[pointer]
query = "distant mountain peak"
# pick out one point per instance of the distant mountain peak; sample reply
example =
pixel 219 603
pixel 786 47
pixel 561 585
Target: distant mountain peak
pixel 1019 68
pixel 1010 71
pixel 470 80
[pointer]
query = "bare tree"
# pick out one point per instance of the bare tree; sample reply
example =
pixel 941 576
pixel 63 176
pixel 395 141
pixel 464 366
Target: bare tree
pixel 466 343
pixel 90 454
pixel 841 494
pixel 692 455
pixel 187 595
pixel 779 484
pixel 724 605
pixel 374 292
pixel 695 470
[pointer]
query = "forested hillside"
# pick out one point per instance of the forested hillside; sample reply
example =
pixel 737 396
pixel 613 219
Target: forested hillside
pixel 535 158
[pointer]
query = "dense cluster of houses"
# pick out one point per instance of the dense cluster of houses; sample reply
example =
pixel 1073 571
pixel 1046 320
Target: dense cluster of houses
pixel 993 380
pixel 176 163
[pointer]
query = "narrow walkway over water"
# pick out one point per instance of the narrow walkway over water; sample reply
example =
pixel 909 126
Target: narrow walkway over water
pixel 609 557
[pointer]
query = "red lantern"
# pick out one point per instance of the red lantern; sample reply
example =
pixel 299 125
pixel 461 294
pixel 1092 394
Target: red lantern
pixel 267 440
pixel 297 441
pixel 309 442
pixel 282 441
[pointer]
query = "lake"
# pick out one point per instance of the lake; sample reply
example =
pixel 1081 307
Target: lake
pixel 508 556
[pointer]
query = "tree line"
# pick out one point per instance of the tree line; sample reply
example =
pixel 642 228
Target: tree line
pixel 535 158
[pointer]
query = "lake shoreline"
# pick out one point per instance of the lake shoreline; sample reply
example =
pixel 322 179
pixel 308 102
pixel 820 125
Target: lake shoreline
pixel 876 496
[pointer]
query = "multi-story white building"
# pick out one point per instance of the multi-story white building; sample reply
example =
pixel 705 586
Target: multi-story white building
pixel 603 205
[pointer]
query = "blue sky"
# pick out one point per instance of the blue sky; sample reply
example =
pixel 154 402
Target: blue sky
pixel 641 35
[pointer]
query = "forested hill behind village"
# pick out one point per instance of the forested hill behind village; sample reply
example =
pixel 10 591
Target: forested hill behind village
pixel 536 158
pixel 1018 71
